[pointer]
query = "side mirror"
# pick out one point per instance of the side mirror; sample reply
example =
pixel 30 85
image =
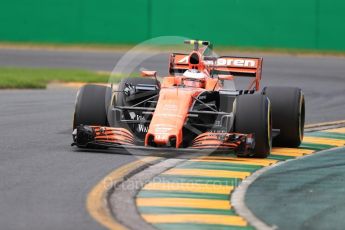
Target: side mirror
pixel 225 77
pixel 148 73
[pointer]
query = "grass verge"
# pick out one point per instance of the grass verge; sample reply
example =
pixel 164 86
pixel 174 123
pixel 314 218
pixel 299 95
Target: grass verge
pixel 38 78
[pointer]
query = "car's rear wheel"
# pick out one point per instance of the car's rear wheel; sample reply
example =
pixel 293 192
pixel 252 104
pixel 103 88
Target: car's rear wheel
pixel 288 112
pixel 91 106
pixel 253 115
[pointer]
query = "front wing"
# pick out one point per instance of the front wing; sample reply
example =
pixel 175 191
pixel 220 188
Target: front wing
pixel 110 137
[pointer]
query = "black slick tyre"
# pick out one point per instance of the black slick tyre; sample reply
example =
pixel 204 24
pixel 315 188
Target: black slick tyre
pixel 288 113
pixel 253 115
pixel 91 106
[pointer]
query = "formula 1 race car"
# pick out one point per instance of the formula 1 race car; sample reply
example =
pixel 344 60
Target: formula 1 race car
pixel 195 107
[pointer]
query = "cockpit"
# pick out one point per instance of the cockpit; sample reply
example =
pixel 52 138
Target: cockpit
pixel 194 78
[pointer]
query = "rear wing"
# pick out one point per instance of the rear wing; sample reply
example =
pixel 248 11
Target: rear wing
pixel 236 66
pixel 223 65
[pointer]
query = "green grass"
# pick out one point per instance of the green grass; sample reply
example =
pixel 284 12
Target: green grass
pixel 38 78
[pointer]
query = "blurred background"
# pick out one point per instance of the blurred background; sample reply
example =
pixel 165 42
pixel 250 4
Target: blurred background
pixel 309 24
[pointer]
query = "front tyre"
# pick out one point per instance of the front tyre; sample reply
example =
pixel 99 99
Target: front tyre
pixel 91 106
pixel 288 112
pixel 253 115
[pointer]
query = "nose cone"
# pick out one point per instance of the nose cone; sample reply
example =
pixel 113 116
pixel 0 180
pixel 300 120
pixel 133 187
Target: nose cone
pixel 169 117
pixel 165 136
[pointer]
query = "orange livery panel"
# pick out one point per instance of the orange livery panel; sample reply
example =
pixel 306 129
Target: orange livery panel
pixel 170 115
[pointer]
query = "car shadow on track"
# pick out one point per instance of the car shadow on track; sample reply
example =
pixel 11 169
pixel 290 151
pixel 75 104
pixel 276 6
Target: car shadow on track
pixel 164 153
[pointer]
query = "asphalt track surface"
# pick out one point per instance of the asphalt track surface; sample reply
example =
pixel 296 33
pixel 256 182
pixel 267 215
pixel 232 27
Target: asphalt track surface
pixel 303 194
pixel 44 182
pixel 321 78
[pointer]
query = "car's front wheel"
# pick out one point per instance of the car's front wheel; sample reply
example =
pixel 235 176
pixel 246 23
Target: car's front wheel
pixel 253 115
pixel 91 105
pixel 288 111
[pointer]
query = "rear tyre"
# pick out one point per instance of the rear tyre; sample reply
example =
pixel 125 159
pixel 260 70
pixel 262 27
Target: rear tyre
pixel 253 115
pixel 288 112
pixel 91 106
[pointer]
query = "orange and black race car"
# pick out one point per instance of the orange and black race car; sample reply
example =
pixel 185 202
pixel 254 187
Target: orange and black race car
pixel 195 107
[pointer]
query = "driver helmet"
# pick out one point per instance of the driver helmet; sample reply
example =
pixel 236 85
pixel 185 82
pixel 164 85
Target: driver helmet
pixel 194 78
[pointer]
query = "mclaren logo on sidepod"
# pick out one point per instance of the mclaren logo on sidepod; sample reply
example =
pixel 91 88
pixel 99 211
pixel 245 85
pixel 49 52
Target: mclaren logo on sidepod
pixel 235 62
